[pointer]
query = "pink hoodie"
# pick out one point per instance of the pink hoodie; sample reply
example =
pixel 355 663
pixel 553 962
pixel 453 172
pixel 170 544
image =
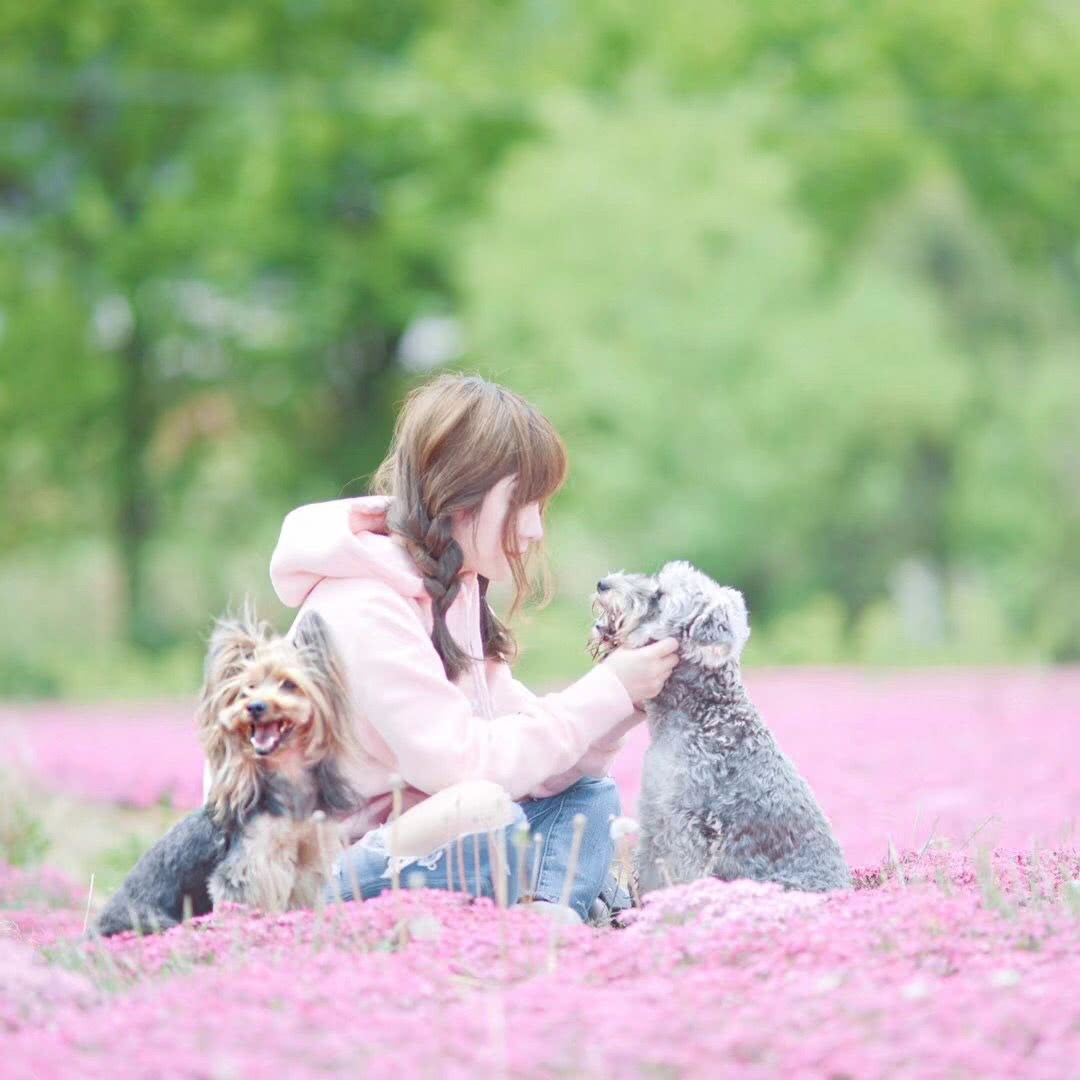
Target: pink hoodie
pixel 335 558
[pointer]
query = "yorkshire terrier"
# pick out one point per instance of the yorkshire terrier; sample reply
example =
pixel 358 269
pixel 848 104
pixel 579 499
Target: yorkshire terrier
pixel 274 723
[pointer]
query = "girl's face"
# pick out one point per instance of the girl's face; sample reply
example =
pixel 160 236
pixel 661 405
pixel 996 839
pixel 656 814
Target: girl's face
pixel 480 533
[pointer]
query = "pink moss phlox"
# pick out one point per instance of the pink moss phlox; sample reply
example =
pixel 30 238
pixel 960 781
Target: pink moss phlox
pixel 129 754
pixel 32 992
pixel 945 960
pixel 710 979
pixel 37 887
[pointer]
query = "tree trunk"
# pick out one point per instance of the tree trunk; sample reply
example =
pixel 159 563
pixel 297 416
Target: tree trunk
pixel 134 497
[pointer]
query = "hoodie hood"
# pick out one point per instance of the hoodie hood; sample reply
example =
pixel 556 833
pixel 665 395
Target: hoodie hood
pixel 343 538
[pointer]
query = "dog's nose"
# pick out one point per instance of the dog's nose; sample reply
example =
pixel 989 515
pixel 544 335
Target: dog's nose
pixel 602 585
pixel 256 709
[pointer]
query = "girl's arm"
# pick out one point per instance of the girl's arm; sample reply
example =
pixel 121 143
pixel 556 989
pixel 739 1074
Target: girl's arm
pixel 398 685
pixel 510 695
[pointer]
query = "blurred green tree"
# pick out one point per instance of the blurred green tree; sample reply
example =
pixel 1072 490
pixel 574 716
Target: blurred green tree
pixel 737 399
pixel 217 224
pixel 800 283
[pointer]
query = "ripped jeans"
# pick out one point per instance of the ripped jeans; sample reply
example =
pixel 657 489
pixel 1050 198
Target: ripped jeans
pixel 364 867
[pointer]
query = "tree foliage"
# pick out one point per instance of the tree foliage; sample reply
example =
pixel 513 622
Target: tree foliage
pixel 800 284
pixel 217 224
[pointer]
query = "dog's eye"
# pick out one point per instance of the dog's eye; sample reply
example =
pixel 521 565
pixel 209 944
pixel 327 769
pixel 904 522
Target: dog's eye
pixel 288 684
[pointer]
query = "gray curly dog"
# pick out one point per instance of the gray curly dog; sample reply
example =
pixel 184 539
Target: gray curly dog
pixel 718 796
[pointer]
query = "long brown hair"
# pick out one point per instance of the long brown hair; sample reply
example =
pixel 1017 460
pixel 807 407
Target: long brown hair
pixel 455 438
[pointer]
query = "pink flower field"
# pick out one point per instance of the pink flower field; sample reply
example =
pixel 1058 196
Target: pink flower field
pixel 958 954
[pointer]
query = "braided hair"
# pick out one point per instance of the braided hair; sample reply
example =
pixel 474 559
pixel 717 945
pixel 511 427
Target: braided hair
pixel 439 557
pixel 455 438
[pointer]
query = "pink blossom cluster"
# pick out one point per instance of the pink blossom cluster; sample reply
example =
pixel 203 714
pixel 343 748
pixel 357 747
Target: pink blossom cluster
pixel 33 991
pixel 135 755
pixel 915 755
pixel 904 756
pixel 41 886
pixel 943 961
pixel 938 964
pixel 39 906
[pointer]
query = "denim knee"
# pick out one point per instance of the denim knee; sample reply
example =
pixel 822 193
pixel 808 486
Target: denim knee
pixel 603 795
pixel 363 870
pixel 596 799
pixel 603 804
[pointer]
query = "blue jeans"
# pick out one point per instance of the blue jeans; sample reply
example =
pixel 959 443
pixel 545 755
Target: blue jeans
pixel 364 868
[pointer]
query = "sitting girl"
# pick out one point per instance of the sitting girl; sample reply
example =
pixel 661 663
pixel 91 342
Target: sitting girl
pixel 401 580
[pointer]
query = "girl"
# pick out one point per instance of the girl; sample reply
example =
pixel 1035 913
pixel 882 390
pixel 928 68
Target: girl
pixel 401 579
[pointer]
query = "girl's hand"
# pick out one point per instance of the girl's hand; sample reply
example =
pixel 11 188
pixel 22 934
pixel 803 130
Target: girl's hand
pixel 643 671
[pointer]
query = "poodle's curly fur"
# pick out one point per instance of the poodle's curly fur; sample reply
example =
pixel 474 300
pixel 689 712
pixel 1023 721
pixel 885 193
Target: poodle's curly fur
pixel 718 796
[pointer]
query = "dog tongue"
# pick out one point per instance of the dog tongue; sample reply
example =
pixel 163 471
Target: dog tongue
pixel 263 736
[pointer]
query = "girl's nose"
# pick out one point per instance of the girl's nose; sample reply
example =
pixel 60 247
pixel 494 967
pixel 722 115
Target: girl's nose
pixel 530 527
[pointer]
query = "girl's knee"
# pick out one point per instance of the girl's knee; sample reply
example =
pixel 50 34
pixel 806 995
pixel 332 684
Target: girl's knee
pixel 352 873
pixel 520 825
pixel 602 796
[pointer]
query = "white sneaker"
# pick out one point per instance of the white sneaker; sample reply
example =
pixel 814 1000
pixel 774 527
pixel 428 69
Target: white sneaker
pixel 559 913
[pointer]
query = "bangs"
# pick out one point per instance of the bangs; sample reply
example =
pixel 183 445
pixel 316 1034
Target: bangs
pixel 541 462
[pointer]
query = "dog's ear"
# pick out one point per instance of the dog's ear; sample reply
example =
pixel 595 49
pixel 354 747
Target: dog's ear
pixel 722 629
pixel 334 734
pixel 312 640
pixel 233 643
pixel 232 646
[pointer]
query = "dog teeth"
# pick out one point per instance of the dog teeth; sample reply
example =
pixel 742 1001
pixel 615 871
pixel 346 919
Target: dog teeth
pixel 265 736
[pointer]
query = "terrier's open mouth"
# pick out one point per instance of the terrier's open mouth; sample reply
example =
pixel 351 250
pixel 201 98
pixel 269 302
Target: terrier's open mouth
pixel 267 735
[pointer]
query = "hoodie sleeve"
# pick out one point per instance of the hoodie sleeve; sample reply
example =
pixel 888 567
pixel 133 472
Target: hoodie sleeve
pixel 398 684
pixel 509 694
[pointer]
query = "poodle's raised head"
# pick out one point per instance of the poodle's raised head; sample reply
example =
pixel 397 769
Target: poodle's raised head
pixel 709 620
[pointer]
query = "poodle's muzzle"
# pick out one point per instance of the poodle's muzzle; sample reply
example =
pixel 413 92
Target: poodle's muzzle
pixel 619 606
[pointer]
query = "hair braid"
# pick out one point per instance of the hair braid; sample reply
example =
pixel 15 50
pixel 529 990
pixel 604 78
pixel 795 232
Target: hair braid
pixel 439 558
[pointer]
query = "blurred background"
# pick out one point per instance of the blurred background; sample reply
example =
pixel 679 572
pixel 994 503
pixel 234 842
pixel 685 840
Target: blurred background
pixel 799 284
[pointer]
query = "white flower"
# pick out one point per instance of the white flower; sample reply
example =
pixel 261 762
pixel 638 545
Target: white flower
pixel 916 989
pixel 623 826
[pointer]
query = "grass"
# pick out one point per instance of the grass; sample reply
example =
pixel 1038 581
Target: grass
pixel 77 837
